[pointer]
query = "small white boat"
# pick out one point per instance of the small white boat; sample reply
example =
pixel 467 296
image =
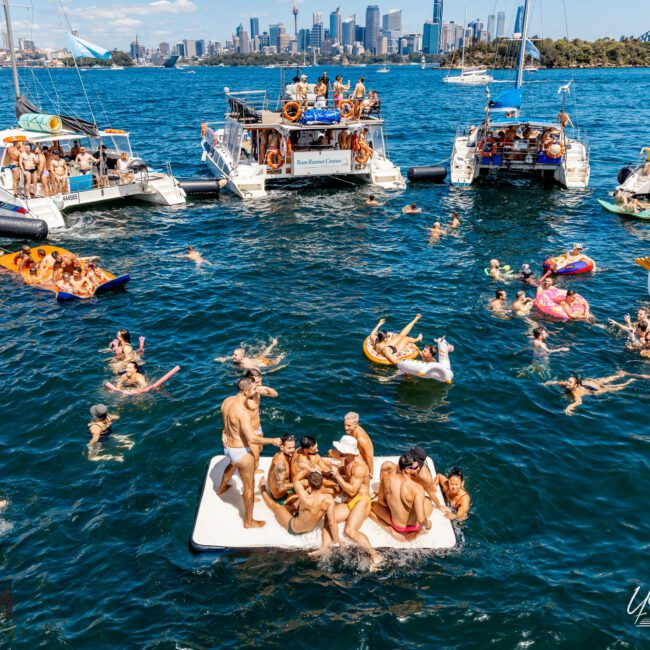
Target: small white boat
pixel 531 68
pixel 471 77
pixel 384 68
pixel 423 63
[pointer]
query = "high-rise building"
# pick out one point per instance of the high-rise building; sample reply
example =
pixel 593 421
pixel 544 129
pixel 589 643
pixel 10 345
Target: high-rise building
pixel 255 27
pixel 303 39
pixel 283 42
pixel 200 48
pixel 392 21
pixel 274 33
pixel 317 18
pixel 359 34
pixel 372 28
pixel 179 49
pixel 519 20
pixel 501 24
pixel 244 42
pixel 163 48
pixel 348 31
pixel 316 36
pixel 431 41
pixel 436 36
pixel 265 40
pixel 336 26
pixel 491 27
pixel 190 48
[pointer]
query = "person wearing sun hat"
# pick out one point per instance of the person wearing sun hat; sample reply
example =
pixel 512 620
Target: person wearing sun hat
pixel 100 428
pixel 354 479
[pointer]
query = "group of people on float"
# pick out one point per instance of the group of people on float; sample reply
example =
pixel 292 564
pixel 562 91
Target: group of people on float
pixel 69 273
pixel 50 166
pixel 303 488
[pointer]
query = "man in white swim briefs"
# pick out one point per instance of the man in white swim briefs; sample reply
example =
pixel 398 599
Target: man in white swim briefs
pixel 238 436
pixel 253 405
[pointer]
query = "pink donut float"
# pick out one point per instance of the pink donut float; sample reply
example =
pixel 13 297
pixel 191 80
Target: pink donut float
pixel 548 302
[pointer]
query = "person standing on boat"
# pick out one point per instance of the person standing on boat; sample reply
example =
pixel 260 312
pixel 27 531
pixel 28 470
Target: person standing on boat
pixel 12 162
pixel 564 119
pixel 328 86
pixel 238 436
pixel 339 89
pixel 58 174
pixel 352 428
pixel 253 405
pixel 28 168
pixel 302 94
pixel 321 94
pixel 85 161
pixel 358 97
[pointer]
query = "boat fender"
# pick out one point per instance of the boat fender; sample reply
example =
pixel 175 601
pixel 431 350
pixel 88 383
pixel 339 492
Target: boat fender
pixel 204 186
pixel 23 228
pixel 623 174
pixel 431 173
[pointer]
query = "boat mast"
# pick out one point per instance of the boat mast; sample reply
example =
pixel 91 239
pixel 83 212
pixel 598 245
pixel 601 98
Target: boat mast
pixel 462 56
pixel 12 53
pixel 522 49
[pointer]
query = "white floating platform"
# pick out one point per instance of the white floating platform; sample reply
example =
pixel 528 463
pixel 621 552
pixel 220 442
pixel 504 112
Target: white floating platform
pixel 218 525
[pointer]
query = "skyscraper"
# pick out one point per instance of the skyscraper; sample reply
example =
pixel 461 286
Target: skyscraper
pixel 316 37
pixel 274 33
pixel 491 27
pixel 372 28
pixel 348 31
pixel 501 24
pixel 336 24
pixel 392 21
pixel 255 27
pixel 190 48
pixel 436 35
pixel 200 48
pixel 519 20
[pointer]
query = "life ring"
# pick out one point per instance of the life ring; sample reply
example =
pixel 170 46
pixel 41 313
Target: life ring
pixel 274 159
pixel 549 303
pixel 487 153
pixel 410 352
pixel 15 138
pixel 362 155
pixel 292 111
pixel 114 131
pixel 204 129
pixel 346 108
pixel 555 149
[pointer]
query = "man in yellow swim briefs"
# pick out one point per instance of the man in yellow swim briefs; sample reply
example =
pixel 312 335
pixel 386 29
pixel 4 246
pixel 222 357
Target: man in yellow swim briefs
pixel 354 480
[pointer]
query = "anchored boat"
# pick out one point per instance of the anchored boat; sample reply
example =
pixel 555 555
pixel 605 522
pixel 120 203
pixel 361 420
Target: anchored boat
pixel 506 142
pixel 65 135
pixel 255 145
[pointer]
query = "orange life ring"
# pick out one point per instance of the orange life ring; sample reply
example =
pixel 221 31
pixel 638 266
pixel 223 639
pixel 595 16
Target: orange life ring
pixel 362 155
pixel 204 129
pixel 274 159
pixel 296 111
pixel 114 131
pixel 558 153
pixel 15 138
pixel 346 108
pixel 487 153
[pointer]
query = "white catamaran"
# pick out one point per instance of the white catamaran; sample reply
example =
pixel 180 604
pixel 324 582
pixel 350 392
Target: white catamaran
pixel 507 142
pixel 65 134
pixel 304 137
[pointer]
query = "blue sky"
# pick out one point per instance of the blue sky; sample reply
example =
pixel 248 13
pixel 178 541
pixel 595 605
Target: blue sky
pixel 116 22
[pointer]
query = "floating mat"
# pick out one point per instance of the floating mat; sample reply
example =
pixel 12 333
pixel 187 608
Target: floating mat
pixel 218 524
pixel 617 209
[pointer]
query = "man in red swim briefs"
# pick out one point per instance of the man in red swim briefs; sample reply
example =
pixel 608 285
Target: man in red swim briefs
pixel 402 507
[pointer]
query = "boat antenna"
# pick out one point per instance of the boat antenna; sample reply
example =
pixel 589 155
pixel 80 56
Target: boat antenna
pixel 10 44
pixel 522 49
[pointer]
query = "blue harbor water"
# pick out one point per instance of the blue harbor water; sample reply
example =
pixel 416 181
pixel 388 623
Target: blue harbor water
pixel 94 554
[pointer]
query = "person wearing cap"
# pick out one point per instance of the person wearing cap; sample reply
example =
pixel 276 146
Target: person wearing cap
pixel 352 428
pixel 302 92
pixel 401 507
pixel 100 428
pixel 354 479
pixel 425 478
pixel 526 275
pixel 455 495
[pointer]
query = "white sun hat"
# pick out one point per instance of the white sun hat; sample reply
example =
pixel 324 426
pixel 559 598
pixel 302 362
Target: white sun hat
pixel 347 445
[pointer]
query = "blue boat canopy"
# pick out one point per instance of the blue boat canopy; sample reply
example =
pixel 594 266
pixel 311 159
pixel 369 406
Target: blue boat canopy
pixel 84 49
pixel 510 100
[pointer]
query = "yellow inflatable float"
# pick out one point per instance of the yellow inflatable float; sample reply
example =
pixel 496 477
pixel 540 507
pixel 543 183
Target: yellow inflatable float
pixel 409 352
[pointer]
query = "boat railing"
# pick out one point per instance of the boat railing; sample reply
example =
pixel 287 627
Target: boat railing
pixel 246 106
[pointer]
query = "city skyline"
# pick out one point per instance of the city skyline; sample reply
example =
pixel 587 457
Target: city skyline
pixel 178 20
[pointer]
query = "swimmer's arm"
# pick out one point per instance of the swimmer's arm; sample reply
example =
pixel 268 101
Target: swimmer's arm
pixel 268 349
pixel 577 401
pixel 96 433
pixel 267 391
pixel 379 324
pixel 554 382
pixel 389 355
pixel 252 438
pixel 420 513
pixel 463 509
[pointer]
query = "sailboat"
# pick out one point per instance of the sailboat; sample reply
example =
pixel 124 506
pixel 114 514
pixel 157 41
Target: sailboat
pixel 49 200
pixel 469 76
pixel 385 67
pixel 506 142
pixel 423 62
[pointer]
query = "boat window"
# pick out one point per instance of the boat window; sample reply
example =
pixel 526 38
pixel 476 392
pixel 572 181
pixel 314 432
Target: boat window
pixel 117 143
pixel 376 139
pixel 232 137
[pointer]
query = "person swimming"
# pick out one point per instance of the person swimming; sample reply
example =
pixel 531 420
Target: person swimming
pixel 261 360
pixel 499 303
pixel 522 304
pixel 436 232
pixel 540 346
pixel 132 377
pixel 411 209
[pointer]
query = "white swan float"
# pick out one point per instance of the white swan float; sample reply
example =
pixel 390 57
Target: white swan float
pixel 439 370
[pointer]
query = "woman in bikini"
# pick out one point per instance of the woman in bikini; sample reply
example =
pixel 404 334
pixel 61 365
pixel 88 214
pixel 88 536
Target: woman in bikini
pixel 455 496
pixel 390 345
pixel 579 387
pixel 132 377
pixel 124 352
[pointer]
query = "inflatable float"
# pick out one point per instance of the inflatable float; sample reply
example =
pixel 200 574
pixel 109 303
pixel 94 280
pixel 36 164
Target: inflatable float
pixel 548 303
pixel 146 389
pixel 439 370
pixel 622 212
pixel 506 270
pixel 218 524
pixel 644 262
pixel 558 266
pixel 7 261
pixel 409 352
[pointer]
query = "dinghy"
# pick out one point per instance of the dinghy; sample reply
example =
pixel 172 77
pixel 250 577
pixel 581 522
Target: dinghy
pixel 218 524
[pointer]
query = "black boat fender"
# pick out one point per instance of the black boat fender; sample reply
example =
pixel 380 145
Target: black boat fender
pixel 23 228
pixel 431 173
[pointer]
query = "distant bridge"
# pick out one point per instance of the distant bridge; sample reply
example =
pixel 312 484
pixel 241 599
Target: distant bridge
pixel 645 37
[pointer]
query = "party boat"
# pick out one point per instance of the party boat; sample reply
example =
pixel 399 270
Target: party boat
pixel 507 142
pixel 39 128
pixel 254 145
